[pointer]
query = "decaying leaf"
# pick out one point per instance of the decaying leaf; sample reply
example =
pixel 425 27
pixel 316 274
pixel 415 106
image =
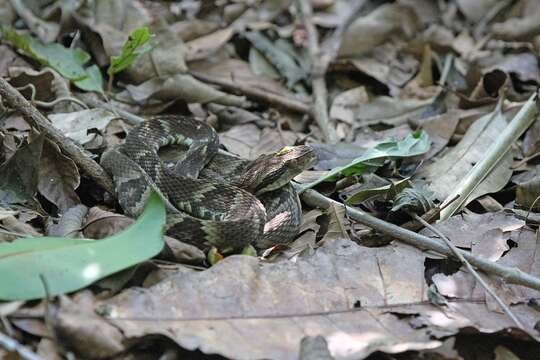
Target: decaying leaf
pixel 58 177
pixel 19 175
pixel 445 172
pixel 269 298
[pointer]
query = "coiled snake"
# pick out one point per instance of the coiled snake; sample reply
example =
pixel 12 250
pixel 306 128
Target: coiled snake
pixel 213 199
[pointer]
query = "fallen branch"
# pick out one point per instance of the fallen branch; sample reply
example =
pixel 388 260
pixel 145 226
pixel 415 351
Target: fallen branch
pixel 256 94
pixel 15 100
pixel 510 275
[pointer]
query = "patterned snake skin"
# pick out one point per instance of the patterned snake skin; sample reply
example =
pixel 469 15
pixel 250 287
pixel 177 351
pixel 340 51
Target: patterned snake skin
pixel 212 199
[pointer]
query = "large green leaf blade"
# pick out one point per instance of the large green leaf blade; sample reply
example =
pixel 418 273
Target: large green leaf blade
pixel 414 144
pixel 67 265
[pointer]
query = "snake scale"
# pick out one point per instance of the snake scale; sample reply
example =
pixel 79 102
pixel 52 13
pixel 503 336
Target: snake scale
pixel 213 199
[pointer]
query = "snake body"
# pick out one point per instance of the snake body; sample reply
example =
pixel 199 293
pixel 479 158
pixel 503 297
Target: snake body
pixel 213 199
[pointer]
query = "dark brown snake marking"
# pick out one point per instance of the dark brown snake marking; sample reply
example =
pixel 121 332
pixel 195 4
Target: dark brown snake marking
pixel 231 204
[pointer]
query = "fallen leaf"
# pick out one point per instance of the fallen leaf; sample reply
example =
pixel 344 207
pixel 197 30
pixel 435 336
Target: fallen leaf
pixel 19 175
pixel 382 22
pixel 76 125
pixel 448 170
pixel 58 177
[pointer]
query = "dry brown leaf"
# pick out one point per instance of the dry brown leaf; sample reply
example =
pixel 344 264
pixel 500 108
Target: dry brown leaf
pixel 181 87
pixel 58 177
pixel 252 304
pixel 204 46
pixel 382 22
pixel 248 141
pixel 445 172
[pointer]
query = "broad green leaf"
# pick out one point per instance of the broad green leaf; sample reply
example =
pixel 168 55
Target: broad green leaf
pixel 93 82
pixel 414 144
pixel 71 264
pixel 133 48
pixel 68 62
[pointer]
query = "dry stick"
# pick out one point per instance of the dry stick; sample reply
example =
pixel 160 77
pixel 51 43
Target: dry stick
pixel 12 345
pixel 321 59
pixel 474 273
pixel 510 275
pixel 251 92
pixel 38 120
pixel 318 71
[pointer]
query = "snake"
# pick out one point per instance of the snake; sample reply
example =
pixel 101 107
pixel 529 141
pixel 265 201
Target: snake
pixel 213 199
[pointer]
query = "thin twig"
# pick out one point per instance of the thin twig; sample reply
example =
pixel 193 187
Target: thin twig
pixel 474 273
pixel 318 72
pixel 256 94
pixel 68 146
pixel 321 57
pixel 11 344
pixel 49 104
pixel 510 275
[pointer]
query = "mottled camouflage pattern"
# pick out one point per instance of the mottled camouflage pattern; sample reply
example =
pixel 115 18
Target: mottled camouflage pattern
pixel 213 209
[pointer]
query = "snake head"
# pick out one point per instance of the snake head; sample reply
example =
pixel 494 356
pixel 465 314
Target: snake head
pixel 272 171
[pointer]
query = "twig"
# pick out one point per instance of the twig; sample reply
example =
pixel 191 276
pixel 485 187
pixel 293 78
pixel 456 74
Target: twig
pixel 321 59
pixel 318 72
pixel 68 146
pixel 13 345
pixel 510 275
pixel 474 273
pixel 494 154
pixel 254 93
pixel 49 104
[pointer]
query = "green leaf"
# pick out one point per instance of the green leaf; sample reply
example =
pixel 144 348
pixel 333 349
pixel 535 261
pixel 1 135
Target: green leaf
pixel 132 49
pixel 66 61
pixel 414 144
pixel 71 264
pixel 93 82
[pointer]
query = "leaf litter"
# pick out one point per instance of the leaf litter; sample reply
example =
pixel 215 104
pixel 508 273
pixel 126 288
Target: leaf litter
pixel 417 92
